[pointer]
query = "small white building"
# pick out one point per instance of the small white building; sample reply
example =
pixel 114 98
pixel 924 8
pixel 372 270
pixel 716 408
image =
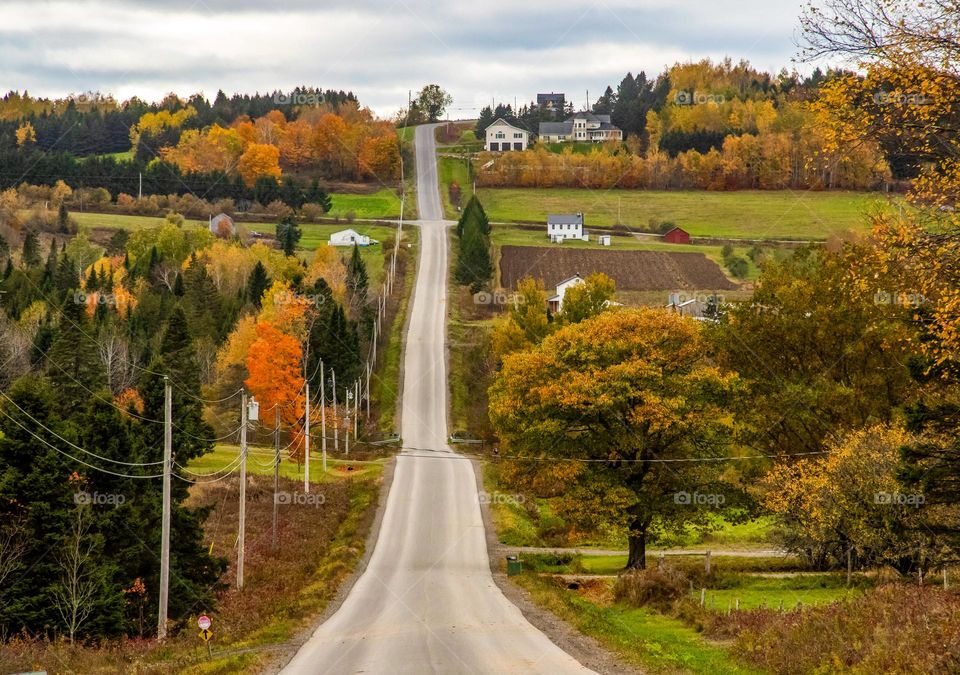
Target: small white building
pixel 349 238
pixel 222 225
pixel 561 227
pixel 555 302
pixel 605 240
pixel 504 137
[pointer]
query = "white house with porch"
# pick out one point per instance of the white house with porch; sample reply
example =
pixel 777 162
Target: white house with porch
pixel 349 238
pixel 561 227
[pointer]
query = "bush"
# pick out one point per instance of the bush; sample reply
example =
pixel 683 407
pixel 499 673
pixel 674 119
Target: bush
pixel 311 212
pixel 738 267
pixel 657 587
pixel 892 629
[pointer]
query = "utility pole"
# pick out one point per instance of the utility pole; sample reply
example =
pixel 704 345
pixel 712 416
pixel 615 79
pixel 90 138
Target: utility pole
pixel 356 407
pixel 323 416
pixel 306 447
pixel 140 189
pixel 336 426
pixel 165 532
pixel 241 540
pixel 368 390
pixel 276 469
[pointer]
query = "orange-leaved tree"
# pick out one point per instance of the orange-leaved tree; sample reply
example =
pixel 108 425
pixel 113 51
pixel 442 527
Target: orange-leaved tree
pixel 274 363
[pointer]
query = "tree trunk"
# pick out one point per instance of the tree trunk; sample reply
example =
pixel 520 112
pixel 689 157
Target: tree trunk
pixel 637 543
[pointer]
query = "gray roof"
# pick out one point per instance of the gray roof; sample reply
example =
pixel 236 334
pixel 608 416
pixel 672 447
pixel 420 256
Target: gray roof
pixel 554 128
pixel 590 116
pixel 550 97
pixel 565 219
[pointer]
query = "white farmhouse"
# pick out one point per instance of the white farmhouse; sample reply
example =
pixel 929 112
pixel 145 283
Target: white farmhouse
pixel 555 302
pixel 349 238
pixel 503 136
pixel 583 127
pixel 561 227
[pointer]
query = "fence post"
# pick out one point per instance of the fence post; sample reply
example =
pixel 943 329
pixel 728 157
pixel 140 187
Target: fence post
pixel 706 563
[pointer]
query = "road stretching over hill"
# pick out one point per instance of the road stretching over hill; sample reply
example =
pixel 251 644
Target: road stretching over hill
pixel 426 602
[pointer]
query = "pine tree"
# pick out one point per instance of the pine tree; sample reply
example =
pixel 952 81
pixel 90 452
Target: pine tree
pixel 317 195
pixel 257 283
pixel 358 285
pixel 92 281
pixel 50 269
pixel 30 254
pixel 63 219
pixel 288 234
pixel 474 267
pixel 72 361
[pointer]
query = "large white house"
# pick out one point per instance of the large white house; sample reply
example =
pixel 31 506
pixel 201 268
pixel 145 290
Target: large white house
pixel 561 227
pixel 555 302
pixel 503 136
pixel 349 238
pixel 583 127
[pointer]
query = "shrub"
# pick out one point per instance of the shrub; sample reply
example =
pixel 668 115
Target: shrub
pixel 657 587
pixel 892 629
pixel 738 267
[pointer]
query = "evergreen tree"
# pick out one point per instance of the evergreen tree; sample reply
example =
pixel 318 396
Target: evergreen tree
pixel 266 190
pixel 291 193
pixel 66 278
pixel 50 269
pixel 288 234
pixel 257 283
pixel 8 270
pixel 30 254
pixel 63 219
pixel 317 195
pixel 93 283
pixel 474 266
pixel 358 285
pixel 72 361
pixel 201 302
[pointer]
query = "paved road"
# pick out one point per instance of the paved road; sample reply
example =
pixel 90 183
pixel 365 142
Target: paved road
pixel 427 603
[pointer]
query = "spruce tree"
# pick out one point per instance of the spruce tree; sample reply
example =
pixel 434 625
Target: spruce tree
pixel 72 361
pixel 30 255
pixel 257 283
pixel 63 219
pixel 358 283
pixel 288 234
pixel 474 267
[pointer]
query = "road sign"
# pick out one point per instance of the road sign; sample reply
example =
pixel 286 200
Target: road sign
pixel 206 634
pixel 204 622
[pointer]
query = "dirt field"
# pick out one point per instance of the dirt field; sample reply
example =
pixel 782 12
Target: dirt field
pixel 631 270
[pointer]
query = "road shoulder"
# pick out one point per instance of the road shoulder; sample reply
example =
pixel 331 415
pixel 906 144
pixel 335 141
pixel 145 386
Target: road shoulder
pixel 588 651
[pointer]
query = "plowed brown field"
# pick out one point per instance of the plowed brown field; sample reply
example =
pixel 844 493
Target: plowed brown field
pixel 631 270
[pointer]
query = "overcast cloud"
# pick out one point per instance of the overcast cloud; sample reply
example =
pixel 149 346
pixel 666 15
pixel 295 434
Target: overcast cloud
pixel 380 49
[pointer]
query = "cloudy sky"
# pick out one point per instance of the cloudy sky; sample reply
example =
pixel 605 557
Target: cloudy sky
pixel 380 49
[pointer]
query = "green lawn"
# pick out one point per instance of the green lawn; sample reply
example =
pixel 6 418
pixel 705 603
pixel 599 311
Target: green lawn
pixel 121 221
pixel 385 203
pixel 643 637
pixel 260 461
pixel 452 170
pixel 406 133
pixel 769 592
pixel 753 214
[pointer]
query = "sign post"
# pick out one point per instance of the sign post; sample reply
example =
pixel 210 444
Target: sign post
pixel 204 622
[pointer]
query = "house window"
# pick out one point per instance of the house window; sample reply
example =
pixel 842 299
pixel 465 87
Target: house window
pixel 499 134
pixel 518 134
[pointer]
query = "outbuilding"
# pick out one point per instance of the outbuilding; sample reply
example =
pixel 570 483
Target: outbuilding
pixel 677 236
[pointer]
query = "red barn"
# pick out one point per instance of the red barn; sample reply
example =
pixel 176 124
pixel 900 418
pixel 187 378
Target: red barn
pixel 677 236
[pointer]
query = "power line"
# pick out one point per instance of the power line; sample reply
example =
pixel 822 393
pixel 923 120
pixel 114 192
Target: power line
pixel 66 454
pixel 71 444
